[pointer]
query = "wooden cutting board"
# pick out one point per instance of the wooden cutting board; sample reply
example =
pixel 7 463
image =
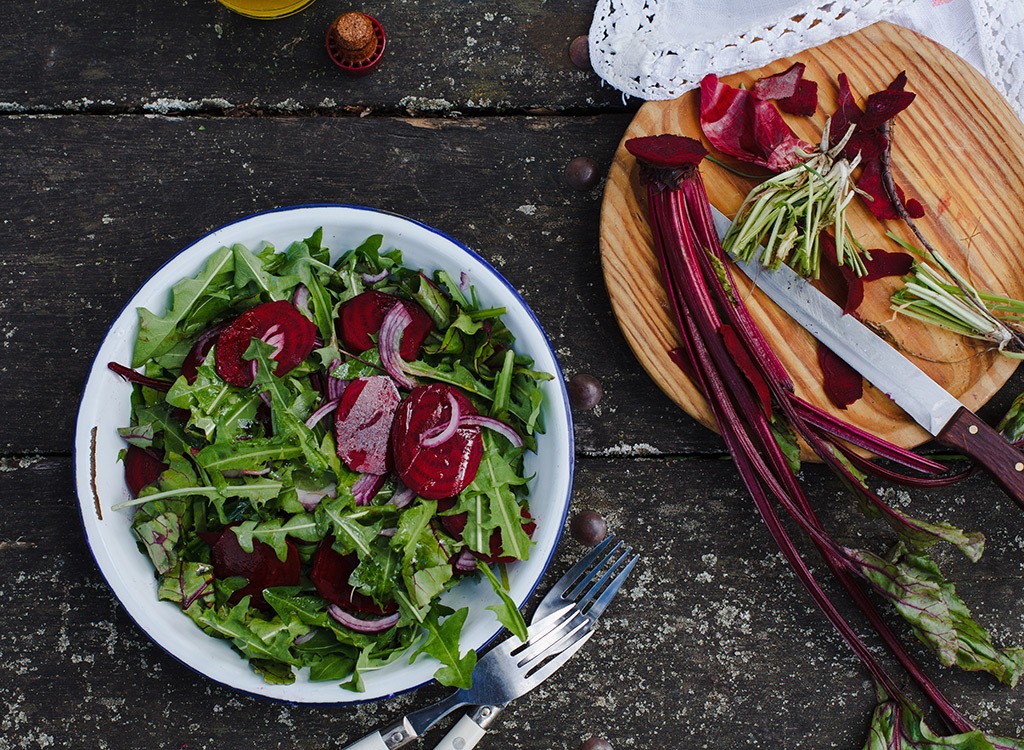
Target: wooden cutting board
pixel 959 149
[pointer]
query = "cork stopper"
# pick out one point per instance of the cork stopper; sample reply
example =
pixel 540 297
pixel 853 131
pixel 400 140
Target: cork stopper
pixel 354 39
pixel 355 42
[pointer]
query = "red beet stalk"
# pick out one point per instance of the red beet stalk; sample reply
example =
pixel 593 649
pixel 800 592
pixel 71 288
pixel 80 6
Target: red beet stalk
pixel 699 288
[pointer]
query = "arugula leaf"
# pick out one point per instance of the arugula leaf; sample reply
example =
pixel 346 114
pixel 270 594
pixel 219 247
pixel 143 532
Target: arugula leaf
pixel 252 278
pixel 224 413
pixel 492 503
pixel 158 334
pixel 442 642
pixel 275 532
pixel 507 612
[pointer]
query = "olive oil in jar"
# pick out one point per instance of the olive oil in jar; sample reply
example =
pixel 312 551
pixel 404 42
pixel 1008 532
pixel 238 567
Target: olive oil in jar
pixel 266 9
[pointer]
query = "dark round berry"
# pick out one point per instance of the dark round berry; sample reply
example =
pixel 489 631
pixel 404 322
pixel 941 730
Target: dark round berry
pixel 582 173
pixel 589 527
pixel 585 391
pixel 579 52
pixel 596 743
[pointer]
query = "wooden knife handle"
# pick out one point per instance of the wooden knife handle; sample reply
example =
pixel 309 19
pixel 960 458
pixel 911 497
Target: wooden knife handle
pixel 972 437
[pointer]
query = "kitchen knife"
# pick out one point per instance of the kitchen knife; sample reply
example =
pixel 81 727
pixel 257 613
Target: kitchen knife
pixel 931 406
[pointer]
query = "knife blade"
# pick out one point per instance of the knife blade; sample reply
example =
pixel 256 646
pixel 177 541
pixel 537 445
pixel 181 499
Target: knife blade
pixel 925 401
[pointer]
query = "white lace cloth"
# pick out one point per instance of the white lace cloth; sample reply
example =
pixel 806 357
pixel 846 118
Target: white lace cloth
pixel 658 49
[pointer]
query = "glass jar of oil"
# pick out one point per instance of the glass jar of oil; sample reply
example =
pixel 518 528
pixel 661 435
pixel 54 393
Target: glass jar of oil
pixel 266 9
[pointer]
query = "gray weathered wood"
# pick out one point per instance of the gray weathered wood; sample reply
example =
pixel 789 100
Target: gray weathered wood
pixel 712 643
pixel 102 202
pixel 195 55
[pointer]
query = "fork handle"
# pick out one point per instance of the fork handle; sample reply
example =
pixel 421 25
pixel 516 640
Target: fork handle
pixel 393 737
pixel 463 736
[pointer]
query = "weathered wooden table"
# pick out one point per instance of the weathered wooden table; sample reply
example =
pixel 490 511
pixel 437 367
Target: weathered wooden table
pixel 129 129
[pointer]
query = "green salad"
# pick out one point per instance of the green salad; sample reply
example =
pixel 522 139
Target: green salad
pixel 317 451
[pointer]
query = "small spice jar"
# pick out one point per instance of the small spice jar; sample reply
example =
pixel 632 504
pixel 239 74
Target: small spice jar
pixel 355 42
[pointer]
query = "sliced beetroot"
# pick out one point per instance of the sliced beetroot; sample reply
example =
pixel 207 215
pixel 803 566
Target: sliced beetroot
pixel 330 574
pixel 141 468
pixel 360 318
pixel 261 567
pixel 362 423
pixel 667 151
pixel 804 102
pixel 455 525
pixel 790 90
pixel 842 384
pixel 739 124
pixel 278 323
pixel 435 471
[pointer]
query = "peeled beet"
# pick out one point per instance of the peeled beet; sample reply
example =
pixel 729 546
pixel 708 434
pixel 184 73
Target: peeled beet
pixel 362 423
pixel 361 317
pixel 456 524
pixel 279 322
pixel 442 470
pixel 261 567
pixel 330 574
pixel 141 468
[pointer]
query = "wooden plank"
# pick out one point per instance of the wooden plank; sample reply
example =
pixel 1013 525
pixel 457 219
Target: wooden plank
pixel 102 202
pixel 711 644
pixel 195 55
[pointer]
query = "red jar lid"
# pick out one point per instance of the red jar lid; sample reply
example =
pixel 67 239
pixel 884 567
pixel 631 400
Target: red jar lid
pixel 355 42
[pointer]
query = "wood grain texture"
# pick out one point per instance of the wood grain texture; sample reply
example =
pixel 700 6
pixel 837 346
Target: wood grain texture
pixel 711 644
pixel 196 56
pixel 959 149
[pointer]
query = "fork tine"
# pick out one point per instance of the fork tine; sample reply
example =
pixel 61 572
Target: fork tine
pixel 552 641
pixel 577 577
pixel 573 574
pixel 609 593
pixel 545 670
pixel 588 585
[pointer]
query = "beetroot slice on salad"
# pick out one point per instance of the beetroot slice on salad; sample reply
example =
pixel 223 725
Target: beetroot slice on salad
pixel 330 574
pixel 435 469
pixel 141 468
pixel 277 323
pixel 361 317
pixel 456 525
pixel 261 568
pixel 362 423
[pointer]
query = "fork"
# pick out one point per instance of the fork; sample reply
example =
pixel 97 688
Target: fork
pixel 504 673
pixel 588 587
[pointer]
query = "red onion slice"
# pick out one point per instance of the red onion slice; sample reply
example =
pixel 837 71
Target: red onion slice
pixel 465 561
pixel 300 299
pixel 389 532
pixel 275 338
pixel 436 436
pixel 389 342
pixel 335 386
pixel 402 497
pixel 300 639
pixel 493 424
pixel 367 486
pixel 373 278
pixel 360 625
pixel 309 499
pixel 322 412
